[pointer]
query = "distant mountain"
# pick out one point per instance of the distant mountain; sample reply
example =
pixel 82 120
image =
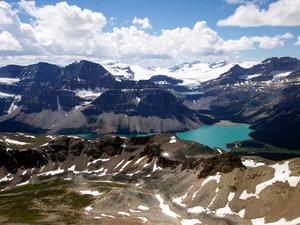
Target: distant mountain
pixel 192 73
pixel 265 96
pixel 272 69
pixel 85 97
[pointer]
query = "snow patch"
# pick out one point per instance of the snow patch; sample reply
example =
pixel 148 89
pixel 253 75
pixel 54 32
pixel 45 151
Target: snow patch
pixel 106 215
pixel 216 177
pixel 142 207
pixel 7 178
pixel 14 142
pixel 250 163
pixel 249 77
pixel 172 140
pixel 6 95
pixel 9 81
pixel 89 208
pixel 87 94
pixel 166 208
pixel 139 160
pixel 53 172
pixel 125 165
pixel 221 212
pixel 190 221
pixel 124 213
pixel 144 219
pixel 89 192
pixel 197 209
pixel 281 75
pixel 155 167
pixel 282 174
pixel 120 163
pixel 261 221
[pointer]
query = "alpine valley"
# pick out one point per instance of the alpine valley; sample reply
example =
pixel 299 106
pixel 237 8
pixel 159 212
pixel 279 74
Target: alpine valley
pixel 137 168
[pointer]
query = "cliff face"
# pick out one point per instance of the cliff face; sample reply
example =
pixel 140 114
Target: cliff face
pixel 85 97
pixel 152 180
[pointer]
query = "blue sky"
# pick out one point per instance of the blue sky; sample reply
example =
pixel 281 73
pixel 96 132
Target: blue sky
pixel 165 15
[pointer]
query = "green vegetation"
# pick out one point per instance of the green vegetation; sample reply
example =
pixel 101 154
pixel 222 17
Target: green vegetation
pixel 259 147
pixel 33 203
pixel 107 186
pixel 32 142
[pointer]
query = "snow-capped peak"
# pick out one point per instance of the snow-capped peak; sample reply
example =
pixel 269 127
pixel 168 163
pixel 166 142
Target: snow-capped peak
pixel 192 73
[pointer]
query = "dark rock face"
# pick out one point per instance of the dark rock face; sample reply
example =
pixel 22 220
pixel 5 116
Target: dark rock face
pixel 48 98
pixel 224 163
pixel 267 68
pixel 152 151
pixel 40 73
pixel 85 74
pixel 169 83
pixel 166 79
pixel 145 103
pixel 14 159
pixel 282 125
pixel 11 71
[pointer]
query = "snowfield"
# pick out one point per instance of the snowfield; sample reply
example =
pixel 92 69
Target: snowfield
pixel 88 94
pixel 9 81
pixel 192 74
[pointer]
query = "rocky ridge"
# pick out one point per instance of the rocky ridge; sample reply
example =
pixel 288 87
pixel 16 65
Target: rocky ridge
pixel 150 180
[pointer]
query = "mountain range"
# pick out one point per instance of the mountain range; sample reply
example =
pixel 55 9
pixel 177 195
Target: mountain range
pixel 116 98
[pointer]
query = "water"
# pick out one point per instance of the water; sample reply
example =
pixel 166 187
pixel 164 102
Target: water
pixel 217 135
pixel 210 135
pixel 95 135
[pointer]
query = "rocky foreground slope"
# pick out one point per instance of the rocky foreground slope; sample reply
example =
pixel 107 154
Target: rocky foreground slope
pixel 151 180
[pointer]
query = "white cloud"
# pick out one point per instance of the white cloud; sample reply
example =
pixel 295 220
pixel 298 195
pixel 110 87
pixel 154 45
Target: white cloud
pixel 22 33
pixel 267 42
pixel 298 41
pixel 8 42
pixel 244 43
pixel 65 28
pixel 264 42
pixel 142 23
pixel 233 1
pixel 245 1
pixel 62 32
pixel 279 13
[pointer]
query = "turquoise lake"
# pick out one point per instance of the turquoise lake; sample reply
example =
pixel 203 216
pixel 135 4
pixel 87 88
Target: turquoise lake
pixel 210 135
pixel 217 135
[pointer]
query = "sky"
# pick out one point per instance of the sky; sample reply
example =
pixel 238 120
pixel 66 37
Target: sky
pixel 148 32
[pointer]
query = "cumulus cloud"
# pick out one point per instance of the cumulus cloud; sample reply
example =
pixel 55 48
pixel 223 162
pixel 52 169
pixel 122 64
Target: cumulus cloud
pixel 245 1
pixel 264 42
pixel 279 13
pixel 62 31
pixel 267 42
pixel 8 42
pixel 244 43
pixel 65 28
pixel 142 23
pixel 298 41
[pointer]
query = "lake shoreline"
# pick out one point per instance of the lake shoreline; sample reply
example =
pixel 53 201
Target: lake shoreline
pixel 227 123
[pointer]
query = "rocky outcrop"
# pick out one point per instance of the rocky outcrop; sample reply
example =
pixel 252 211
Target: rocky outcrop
pixel 125 179
pixel 223 163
